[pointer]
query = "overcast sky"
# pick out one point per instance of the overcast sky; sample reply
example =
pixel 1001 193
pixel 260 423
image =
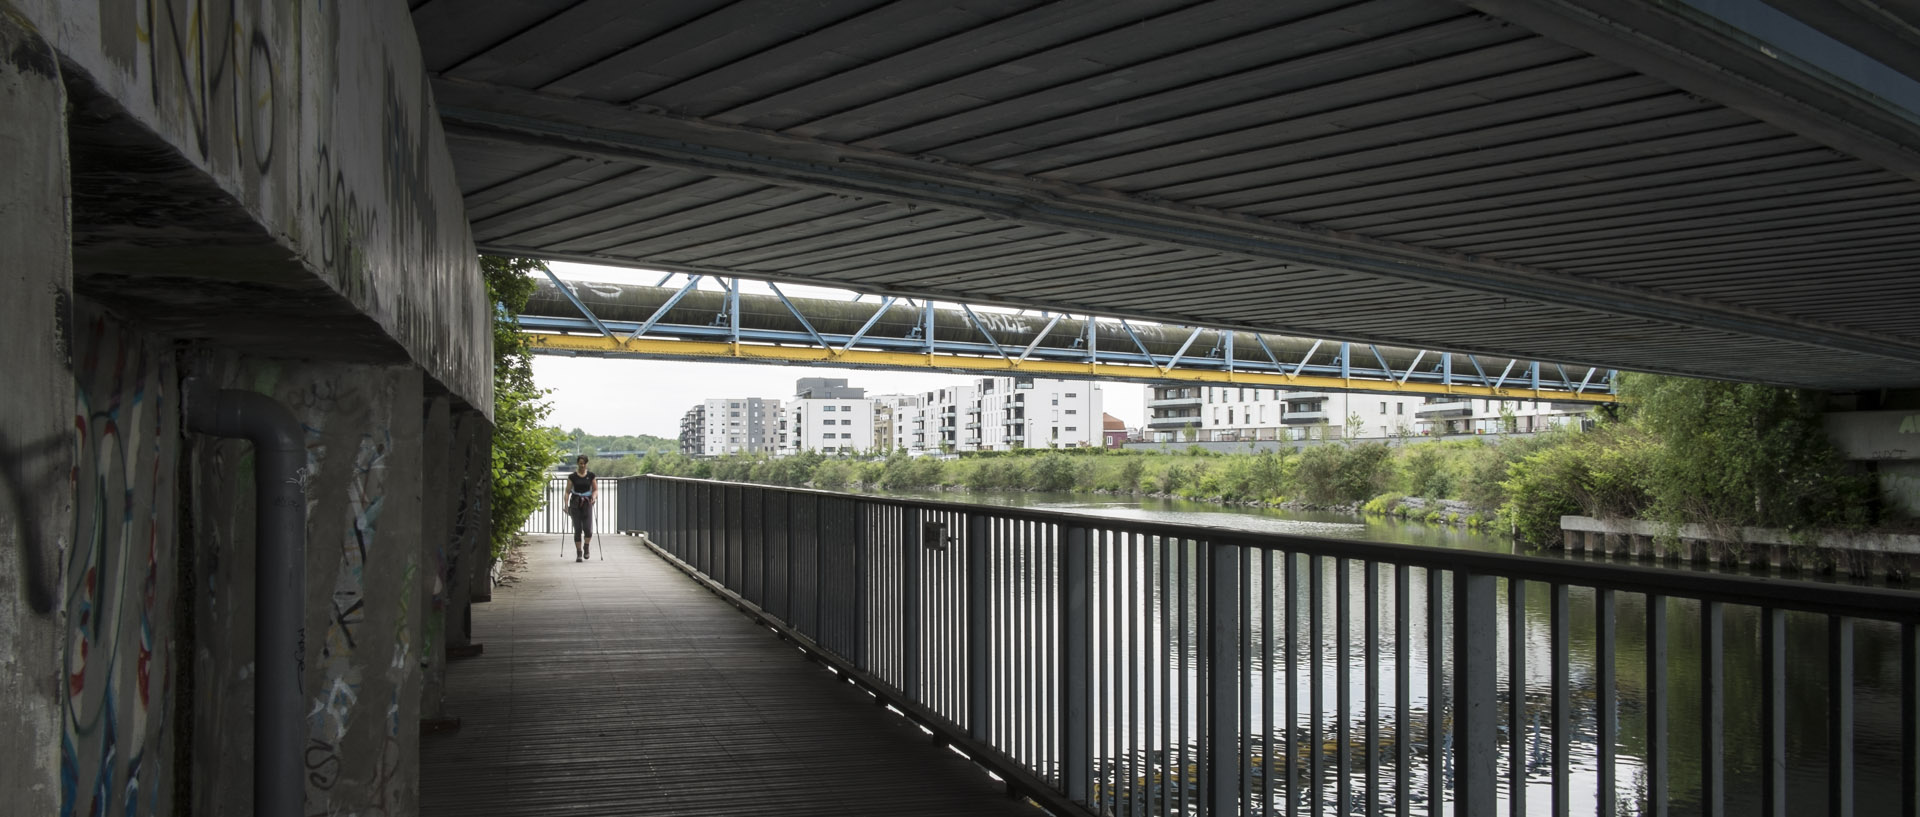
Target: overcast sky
pixel 629 396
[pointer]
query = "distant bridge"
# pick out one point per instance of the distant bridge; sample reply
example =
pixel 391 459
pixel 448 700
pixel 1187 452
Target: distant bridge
pixel 725 325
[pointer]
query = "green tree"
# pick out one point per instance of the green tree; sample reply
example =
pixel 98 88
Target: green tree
pixel 523 449
pixel 1741 454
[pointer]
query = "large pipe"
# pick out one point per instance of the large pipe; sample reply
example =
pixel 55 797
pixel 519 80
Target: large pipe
pixel 279 582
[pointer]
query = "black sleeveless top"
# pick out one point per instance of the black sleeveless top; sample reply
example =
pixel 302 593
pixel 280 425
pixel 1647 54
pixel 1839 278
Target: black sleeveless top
pixel 580 483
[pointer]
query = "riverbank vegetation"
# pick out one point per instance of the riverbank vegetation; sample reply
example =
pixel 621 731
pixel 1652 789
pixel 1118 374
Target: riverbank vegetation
pixel 1675 451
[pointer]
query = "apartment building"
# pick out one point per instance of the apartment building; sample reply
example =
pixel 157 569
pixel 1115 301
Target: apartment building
pixel 894 420
pixel 693 431
pixel 1443 415
pixel 730 425
pixel 1018 412
pixel 1236 413
pixel 828 416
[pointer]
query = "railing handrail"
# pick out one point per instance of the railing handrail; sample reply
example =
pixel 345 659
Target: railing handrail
pixel 1881 603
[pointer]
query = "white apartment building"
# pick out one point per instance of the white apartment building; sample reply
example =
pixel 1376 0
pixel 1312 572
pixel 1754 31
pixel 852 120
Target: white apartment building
pixel 737 425
pixel 827 416
pixel 1439 416
pixel 1240 413
pixel 937 427
pixel 1016 412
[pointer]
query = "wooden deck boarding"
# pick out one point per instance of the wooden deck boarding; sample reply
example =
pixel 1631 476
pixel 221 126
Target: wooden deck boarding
pixel 622 687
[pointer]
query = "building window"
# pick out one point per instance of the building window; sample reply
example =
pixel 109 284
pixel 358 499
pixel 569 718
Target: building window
pixel 826 408
pixel 1400 408
pixel 1071 395
pixel 1229 416
pixel 1073 428
pixel 1383 407
pixel 1073 411
pixel 846 408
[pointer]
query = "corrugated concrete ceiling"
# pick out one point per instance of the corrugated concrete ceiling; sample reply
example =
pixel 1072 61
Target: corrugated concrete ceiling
pixel 1627 189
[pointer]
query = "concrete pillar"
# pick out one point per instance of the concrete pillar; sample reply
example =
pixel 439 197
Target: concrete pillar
pixel 36 419
pixel 472 456
pixel 364 636
pixel 440 490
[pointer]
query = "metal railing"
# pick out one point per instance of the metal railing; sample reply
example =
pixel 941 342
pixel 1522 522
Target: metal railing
pixel 552 517
pixel 1146 668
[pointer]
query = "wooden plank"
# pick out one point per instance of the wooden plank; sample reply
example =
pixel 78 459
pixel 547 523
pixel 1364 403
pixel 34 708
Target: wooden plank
pixel 622 687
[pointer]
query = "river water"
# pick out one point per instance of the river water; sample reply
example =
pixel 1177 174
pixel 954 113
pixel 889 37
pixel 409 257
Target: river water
pixel 1877 703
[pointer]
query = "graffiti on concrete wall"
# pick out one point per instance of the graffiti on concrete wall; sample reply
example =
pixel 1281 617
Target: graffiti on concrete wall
pixel 118 579
pixel 215 59
pixel 365 678
pixel 318 118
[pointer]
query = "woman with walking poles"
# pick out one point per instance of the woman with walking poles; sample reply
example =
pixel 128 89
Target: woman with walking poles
pixel 582 490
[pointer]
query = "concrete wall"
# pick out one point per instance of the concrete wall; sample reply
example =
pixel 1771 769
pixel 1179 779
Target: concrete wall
pixel 120 577
pixel 364 631
pixel 36 419
pixel 314 121
pixel 256 193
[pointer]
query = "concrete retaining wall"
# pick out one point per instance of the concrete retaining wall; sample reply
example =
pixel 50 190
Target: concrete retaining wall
pixel 1865 555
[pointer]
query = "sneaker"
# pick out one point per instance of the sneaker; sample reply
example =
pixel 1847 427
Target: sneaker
pixel 588 551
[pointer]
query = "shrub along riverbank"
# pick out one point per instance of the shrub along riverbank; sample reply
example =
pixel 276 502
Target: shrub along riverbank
pixel 1678 451
pixel 1338 476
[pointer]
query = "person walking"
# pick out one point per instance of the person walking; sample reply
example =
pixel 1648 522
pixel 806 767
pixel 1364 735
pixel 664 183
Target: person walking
pixel 582 489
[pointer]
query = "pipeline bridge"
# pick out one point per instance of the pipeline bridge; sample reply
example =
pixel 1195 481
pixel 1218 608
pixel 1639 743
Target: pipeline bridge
pixel 725 324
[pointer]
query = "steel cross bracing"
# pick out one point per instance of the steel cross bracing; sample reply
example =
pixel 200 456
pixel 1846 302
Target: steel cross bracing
pixel 689 323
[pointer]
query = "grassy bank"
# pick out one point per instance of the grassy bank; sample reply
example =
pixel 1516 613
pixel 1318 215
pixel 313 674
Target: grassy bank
pixel 1677 451
pixel 1336 475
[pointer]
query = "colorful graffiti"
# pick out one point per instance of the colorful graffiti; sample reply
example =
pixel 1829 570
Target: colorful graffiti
pixel 118 578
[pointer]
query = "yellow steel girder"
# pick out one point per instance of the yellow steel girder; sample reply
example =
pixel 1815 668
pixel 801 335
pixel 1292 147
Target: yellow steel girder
pixel 726 352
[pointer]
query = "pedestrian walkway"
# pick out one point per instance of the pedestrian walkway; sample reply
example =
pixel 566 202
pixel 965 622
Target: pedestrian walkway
pixel 621 687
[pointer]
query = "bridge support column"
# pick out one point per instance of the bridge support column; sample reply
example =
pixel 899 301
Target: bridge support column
pixel 36 420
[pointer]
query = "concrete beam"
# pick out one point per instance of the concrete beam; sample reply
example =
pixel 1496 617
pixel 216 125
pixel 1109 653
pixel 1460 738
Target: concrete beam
pixel 600 130
pixel 270 175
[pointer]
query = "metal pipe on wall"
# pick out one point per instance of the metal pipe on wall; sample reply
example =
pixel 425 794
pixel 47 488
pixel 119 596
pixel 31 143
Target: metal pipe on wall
pixel 280 581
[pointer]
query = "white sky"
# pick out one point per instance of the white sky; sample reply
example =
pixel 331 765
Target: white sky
pixel 633 396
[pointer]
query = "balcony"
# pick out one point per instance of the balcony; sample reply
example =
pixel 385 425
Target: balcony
pixel 1173 401
pixel 1172 422
pixel 1306 418
pixel 1451 408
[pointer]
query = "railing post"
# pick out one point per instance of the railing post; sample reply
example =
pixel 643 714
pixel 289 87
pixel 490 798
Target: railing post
pixel 1476 693
pixel 1222 762
pixel 979 640
pixel 861 606
pixel 1076 660
pixel 910 604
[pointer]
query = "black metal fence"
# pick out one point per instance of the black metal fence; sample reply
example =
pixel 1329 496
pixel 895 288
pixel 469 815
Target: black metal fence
pixel 552 517
pixel 1143 668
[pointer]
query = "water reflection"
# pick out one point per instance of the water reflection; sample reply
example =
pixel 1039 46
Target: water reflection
pixel 1147 705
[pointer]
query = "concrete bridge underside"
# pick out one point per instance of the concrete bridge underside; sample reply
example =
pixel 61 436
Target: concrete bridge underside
pixel 1695 188
pixel 283 202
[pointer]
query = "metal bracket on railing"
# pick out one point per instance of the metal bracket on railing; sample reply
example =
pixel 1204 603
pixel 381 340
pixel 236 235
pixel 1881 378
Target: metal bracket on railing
pixel 934 536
